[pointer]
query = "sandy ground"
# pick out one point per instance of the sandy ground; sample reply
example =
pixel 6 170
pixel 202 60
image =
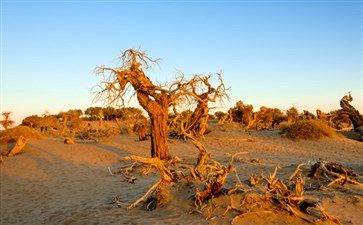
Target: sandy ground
pixel 55 183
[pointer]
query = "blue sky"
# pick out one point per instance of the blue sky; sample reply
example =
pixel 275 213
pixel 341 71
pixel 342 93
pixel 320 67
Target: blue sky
pixel 306 54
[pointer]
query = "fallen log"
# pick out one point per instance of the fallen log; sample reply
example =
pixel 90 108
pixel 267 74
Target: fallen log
pixel 18 146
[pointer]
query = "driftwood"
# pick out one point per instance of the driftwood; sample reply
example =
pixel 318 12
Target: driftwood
pixel 18 146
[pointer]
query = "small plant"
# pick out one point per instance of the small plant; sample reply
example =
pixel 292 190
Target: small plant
pixel 307 129
pixel 13 134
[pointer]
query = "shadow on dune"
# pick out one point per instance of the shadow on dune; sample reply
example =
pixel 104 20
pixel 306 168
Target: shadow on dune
pixel 351 135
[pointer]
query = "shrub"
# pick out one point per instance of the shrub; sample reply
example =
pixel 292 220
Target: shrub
pixel 13 134
pixel 283 125
pixel 307 129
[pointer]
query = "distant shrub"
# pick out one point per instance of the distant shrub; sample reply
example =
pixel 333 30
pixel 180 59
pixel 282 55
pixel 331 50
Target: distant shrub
pixel 283 125
pixel 211 117
pixel 12 134
pixel 307 129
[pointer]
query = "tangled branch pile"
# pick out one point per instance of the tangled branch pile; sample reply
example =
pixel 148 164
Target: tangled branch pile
pixel 262 194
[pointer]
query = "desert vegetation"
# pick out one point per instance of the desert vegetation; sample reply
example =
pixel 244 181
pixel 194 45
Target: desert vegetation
pixel 308 129
pixel 12 134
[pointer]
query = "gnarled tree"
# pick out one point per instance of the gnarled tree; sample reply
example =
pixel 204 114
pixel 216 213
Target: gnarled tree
pixel 156 99
pixel 200 91
pixel 354 115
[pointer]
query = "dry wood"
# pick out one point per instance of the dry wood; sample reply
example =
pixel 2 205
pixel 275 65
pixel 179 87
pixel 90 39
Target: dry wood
pixel 339 177
pixel 286 195
pixel 223 119
pixel 142 133
pixel 69 141
pixel 154 99
pixel 297 170
pixel 167 178
pixel 146 194
pixel 199 91
pixel 165 173
pixel 354 115
pixel 18 146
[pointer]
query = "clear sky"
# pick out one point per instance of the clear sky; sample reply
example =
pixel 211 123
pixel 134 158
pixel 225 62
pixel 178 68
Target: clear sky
pixel 302 53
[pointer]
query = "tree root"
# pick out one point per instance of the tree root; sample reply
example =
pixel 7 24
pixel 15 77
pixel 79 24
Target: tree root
pixel 146 194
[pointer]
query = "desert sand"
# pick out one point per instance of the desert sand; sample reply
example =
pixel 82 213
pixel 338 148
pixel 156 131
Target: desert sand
pixel 56 183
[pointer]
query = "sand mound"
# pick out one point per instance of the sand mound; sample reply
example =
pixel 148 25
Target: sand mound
pixel 13 134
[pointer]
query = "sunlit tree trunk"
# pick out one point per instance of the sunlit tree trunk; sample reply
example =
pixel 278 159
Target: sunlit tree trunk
pixel 198 122
pixel 354 115
pixel 158 113
pixel 159 134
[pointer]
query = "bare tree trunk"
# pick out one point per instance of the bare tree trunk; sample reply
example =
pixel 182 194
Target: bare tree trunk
pixel 354 115
pixel 230 116
pixel 159 134
pixel 198 121
pixel 251 121
pixel 158 112
pixel 101 120
pixel 64 128
pixel 223 119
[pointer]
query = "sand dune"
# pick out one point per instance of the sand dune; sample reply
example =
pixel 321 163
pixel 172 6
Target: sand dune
pixel 55 183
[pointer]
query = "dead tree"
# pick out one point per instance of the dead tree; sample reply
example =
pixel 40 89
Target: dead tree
pixel 354 115
pixel 154 99
pixel 201 92
pixel 142 133
pixel 65 117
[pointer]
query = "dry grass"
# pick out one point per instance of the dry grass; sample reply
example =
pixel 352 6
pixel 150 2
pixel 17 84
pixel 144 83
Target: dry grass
pixel 12 134
pixel 308 129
